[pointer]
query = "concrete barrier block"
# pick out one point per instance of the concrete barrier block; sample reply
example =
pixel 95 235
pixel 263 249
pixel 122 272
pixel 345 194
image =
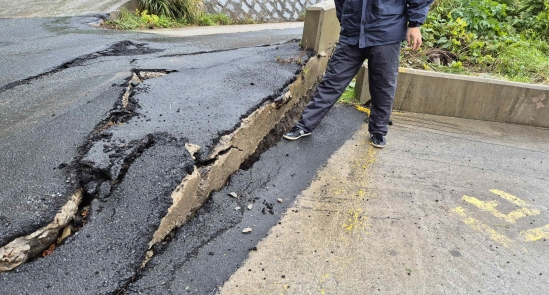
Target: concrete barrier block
pixel 321 27
pixel 130 5
pixel 466 97
pixel 361 85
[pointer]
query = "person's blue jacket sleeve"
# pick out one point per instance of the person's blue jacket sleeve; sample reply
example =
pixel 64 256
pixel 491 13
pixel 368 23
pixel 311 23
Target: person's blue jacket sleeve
pixel 339 8
pixel 416 11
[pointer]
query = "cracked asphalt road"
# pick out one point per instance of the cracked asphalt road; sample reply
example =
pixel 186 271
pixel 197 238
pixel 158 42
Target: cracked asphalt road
pixel 62 127
pixel 41 99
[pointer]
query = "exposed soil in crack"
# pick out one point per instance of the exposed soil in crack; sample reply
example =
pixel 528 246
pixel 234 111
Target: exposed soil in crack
pixel 276 133
pixel 122 48
pixel 96 176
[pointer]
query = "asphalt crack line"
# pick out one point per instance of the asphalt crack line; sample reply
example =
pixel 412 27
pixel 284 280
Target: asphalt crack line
pixel 117 49
pixel 226 50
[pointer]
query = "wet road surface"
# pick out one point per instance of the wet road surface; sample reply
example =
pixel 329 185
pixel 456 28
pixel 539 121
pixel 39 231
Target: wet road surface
pixel 450 206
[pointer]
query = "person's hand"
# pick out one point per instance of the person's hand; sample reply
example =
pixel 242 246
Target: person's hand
pixel 413 37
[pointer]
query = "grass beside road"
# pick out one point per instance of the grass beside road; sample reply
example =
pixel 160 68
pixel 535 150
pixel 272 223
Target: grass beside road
pixel 503 39
pixel 144 20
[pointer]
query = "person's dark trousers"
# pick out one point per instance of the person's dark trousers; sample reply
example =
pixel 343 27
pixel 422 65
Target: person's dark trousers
pixel 383 64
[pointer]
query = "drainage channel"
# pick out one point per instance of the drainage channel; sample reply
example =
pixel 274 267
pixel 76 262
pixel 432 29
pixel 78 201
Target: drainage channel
pixel 102 172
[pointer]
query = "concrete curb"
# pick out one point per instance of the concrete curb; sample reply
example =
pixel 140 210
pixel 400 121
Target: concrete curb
pixel 212 30
pixel 467 97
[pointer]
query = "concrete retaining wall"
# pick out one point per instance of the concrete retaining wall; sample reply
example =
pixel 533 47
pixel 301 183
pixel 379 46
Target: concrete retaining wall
pixel 466 97
pixel 260 10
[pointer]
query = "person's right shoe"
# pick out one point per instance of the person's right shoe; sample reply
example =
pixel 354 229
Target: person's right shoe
pixel 378 140
pixel 296 133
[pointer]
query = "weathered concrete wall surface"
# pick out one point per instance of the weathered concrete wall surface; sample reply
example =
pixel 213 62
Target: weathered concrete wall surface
pixel 321 28
pixel 466 97
pixel 260 10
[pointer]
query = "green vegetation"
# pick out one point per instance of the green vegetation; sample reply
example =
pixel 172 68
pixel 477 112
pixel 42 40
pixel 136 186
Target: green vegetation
pixel 145 20
pixel 214 19
pixel 142 20
pixel 502 39
pixel 188 10
pixel 349 95
pixel 170 13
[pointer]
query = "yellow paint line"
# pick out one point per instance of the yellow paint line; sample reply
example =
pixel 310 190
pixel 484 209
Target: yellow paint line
pixel 490 206
pixel 477 225
pixel 536 234
pixel 363 109
pixel 509 197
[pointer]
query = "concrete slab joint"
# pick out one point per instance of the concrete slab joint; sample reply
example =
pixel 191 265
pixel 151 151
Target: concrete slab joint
pixel 466 97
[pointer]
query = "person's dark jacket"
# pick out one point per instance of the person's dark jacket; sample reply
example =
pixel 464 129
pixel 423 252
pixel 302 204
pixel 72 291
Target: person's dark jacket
pixel 379 22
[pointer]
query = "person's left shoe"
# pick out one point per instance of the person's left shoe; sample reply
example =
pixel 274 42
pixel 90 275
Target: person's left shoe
pixel 378 140
pixel 296 133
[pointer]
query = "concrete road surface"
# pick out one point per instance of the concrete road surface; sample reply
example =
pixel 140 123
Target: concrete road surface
pixel 450 206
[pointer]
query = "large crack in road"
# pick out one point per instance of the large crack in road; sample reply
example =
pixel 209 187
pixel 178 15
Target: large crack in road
pixel 133 164
pixel 122 48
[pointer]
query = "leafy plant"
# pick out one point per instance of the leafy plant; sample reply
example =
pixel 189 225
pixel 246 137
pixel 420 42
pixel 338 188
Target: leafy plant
pixel 502 38
pixel 214 19
pixel 141 20
pixel 534 17
pixel 190 10
pixel 349 95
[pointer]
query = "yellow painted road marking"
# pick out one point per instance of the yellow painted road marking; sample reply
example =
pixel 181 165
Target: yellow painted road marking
pixel 530 235
pixel 536 234
pixel 509 198
pixel 363 109
pixel 478 225
pixel 490 206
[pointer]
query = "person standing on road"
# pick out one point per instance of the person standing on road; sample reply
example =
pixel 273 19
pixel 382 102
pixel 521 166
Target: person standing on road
pixel 372 30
